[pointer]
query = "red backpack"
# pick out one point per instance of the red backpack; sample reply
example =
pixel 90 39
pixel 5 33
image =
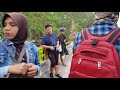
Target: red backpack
pixel 96 57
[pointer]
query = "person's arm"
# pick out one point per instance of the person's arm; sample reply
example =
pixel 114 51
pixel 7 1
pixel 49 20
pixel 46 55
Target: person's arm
pixel 46 46
pixel 34 68
pixel 37 61
pixel 4 71
pixel 20 68
pixel 65 38
pixel 57 44
pixel 77 41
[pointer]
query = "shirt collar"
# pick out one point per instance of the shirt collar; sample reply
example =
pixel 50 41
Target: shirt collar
pixel 7 41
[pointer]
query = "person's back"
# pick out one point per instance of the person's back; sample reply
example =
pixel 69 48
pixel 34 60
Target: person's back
pixel 101 27
pixel 104 25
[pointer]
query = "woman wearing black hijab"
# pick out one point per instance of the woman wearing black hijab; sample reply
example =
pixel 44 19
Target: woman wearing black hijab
pixel 20 58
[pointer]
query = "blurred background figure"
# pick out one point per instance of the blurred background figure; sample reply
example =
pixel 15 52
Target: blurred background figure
pixel 62 42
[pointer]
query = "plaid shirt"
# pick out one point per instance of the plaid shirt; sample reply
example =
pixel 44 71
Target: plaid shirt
pixel 99 29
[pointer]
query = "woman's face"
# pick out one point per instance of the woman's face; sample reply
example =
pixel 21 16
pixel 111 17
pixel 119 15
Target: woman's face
pixel 10 29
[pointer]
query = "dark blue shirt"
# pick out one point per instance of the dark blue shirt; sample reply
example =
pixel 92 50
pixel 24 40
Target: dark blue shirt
pixel 50 40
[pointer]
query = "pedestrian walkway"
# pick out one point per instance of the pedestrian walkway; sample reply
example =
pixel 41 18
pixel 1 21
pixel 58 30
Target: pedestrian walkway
pixel 63 70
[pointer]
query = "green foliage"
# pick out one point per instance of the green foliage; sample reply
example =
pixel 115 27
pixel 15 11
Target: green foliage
pixel 72 21
pixel 1 29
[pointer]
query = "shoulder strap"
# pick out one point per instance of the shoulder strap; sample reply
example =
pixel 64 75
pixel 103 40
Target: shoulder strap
pixel 114 36
pixel 111 39
pixel 21 54
pixel 6 48
pixel 84 34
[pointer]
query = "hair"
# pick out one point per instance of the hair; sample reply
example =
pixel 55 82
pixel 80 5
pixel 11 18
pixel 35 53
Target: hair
pixel 4 18
pixel 109 16
pixel 48 25
pixel 116 13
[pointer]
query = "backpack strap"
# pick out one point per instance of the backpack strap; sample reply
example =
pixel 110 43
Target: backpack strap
pixel 111 37
pixel 22 53
pixel 114 36
pixel 84 34
pixel 27 51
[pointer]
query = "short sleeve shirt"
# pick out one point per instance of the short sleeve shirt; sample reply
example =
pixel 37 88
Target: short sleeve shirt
pixel 50 40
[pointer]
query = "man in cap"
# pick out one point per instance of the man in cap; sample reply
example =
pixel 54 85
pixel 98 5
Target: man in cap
pixel 62 40
pixel 104 24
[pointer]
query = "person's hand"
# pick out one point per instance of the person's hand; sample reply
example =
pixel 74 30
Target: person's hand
pixel 52 48
pixel 20 68
pixel 57 46
pixel 32 71
pixel 65 40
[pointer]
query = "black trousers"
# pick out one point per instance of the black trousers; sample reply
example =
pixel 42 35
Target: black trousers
pixel 53 56
pixel 64 50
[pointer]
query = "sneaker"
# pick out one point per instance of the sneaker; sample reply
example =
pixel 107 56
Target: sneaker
pixel 51 75
pixel 58 75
